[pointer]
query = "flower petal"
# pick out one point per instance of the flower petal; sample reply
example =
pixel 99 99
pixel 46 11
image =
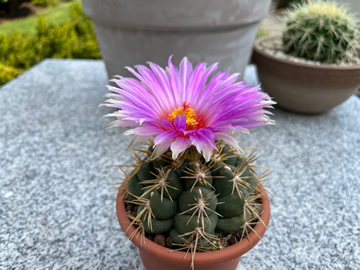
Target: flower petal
pixel 138 140
pixel 227 138
pixel 180 123
pixel 179 145
pixel 204 141
pixel 161 148
pixel 144 131
pixel 165 136
pixel 217 105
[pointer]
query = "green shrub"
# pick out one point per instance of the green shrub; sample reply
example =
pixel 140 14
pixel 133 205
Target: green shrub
pixel 71 39
pixel 283 4
pixel 86 46
pixel 16 51
pixel 45 3
pixel 8 72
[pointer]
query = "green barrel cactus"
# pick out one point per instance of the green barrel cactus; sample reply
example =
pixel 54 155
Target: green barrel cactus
pixel 320 31
pixel 195 203
pixel 192 188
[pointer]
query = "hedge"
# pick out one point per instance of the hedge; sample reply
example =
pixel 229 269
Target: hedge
pixel 70 39
pixel 45 3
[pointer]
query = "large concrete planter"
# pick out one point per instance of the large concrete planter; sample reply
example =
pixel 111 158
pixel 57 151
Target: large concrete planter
pixel 133 32
pixel 304 88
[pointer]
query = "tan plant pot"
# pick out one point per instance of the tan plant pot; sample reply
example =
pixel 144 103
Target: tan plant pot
pixel 132 32
pixel 156 257
pixel 304 88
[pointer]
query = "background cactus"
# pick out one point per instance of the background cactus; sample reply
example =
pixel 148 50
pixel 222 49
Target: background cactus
pixel 321 31
pixel 197 204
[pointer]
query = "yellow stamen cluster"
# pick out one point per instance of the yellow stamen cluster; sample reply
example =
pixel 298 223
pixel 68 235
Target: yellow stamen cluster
pixel 189 113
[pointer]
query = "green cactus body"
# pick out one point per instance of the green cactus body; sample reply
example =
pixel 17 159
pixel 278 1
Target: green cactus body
pixel 134 185
pixel 231 225
pixel 320 31
pixel 145 172
pixel 191 199
pixel 162 208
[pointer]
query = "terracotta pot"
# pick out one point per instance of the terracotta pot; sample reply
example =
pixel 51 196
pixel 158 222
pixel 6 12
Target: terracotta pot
pixel 132 32
pixel 304 88
pixel 156 257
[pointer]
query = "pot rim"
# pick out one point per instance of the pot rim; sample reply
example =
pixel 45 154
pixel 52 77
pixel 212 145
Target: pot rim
pixel 201 258
pixel 173 15
pixel 260 51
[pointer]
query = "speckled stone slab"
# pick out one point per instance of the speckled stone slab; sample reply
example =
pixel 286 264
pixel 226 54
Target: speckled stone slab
pixel 57 196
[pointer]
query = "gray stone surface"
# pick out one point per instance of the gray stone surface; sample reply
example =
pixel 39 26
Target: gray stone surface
pixel 57 198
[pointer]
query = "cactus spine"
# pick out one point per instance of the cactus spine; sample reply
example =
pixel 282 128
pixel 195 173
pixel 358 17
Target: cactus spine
pixel 197 203
pixel 320 31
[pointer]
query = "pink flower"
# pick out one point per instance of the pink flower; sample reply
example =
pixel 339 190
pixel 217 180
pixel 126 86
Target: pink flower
pixel 185 106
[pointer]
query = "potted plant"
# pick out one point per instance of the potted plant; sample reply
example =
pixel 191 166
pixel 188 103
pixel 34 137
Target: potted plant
pixel 131 32
pixel 314 66
pixel 192 190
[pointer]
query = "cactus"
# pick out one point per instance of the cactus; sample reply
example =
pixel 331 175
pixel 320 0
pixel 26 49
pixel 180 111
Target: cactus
pixel 320 31
pixel 191 186
pixel 198 204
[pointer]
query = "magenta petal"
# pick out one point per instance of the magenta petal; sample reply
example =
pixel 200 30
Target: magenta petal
pixel 227 138
pixel 161 148
pixel 175 82
pixel 185 72
pixel 165 136
pixel 162 142
pixel 203 140
pixel 220 105
pixel 144 131
pixel 154 87
pixel 180 123
pixel 179 145
pixel 163 79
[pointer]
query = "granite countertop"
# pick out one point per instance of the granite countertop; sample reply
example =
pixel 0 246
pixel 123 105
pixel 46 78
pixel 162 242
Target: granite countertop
pixel 57 184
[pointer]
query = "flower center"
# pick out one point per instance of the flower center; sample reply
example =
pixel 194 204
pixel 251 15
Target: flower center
pixel 187 111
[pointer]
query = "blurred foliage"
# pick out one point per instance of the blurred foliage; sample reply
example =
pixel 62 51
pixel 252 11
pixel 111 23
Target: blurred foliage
pixel 10 6
pixel 70 39
pixel 56 15
pixel 283 4
pixel 7 73
pixel 45 3
pixel 262 32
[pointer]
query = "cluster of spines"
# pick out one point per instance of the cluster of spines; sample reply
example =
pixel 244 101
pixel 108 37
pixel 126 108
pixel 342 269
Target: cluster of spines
pixel 198 204
pixel 320 31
